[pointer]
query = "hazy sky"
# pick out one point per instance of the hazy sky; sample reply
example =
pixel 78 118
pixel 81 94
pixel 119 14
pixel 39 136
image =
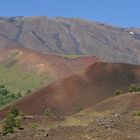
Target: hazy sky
pixel 124 13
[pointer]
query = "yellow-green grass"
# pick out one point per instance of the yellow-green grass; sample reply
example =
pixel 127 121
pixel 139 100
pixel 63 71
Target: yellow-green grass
pixel 72 56
pixel 84 118
pixel 18 80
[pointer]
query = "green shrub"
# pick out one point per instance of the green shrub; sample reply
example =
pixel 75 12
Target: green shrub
pixel 48 112
pixel 137 113
pixel 2 86
pixel 15 111
pixel 78 109
pixel 28 91
pixel 3 91
pixel 117 92
pixel 34 125
pixel 12 96
pixel 133 88
pixel 10 123
pixel 19 94
pixel 6 96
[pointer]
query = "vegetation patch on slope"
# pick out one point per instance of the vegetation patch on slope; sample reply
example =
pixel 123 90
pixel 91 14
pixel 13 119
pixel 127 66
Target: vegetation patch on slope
pixel 18 80
pixel 6 96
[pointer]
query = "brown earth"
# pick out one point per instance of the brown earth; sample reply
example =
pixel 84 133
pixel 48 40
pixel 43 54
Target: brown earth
pixel 126 105
pixel 112 125
pixel 123 103
pixel 97 83
pixel 53 65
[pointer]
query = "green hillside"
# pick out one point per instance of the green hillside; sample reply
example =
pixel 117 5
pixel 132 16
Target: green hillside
pixel 18 80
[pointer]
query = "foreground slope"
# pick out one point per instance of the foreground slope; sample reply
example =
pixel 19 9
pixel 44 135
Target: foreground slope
pixel 72 36
pixel 112 119
pixel 22 69
pixel 97 83
pixel 126 104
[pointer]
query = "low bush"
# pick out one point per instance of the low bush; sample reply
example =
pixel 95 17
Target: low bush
pixel 48 112
pixel 137 113
pixel 34 125
pixel 117 92
pixel 133 88
pixel 78 109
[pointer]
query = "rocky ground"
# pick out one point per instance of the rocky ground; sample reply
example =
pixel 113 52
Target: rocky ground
pixel 114 127
pixel 110 127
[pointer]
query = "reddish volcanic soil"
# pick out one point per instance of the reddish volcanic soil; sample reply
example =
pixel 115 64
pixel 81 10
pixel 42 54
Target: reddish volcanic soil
pixel 55 66
pixel 97 83
pixel 125 103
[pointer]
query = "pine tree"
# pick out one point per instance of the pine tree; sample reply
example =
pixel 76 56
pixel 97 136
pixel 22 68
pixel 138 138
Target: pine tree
pixel 11 121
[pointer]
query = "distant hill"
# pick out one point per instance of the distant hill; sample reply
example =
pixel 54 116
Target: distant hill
pixel 72 36
pixel 23 70
pixel 96 84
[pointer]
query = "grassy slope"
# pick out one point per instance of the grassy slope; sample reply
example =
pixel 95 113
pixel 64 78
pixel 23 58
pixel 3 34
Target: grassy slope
pixel 16 79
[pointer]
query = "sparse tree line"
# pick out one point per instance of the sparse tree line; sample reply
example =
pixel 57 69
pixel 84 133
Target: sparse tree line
pixel 7 96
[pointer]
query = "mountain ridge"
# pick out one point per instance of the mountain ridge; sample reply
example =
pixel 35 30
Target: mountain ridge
pixel 72 36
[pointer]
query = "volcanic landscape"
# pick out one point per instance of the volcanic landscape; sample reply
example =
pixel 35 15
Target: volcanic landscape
pixel 70 78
